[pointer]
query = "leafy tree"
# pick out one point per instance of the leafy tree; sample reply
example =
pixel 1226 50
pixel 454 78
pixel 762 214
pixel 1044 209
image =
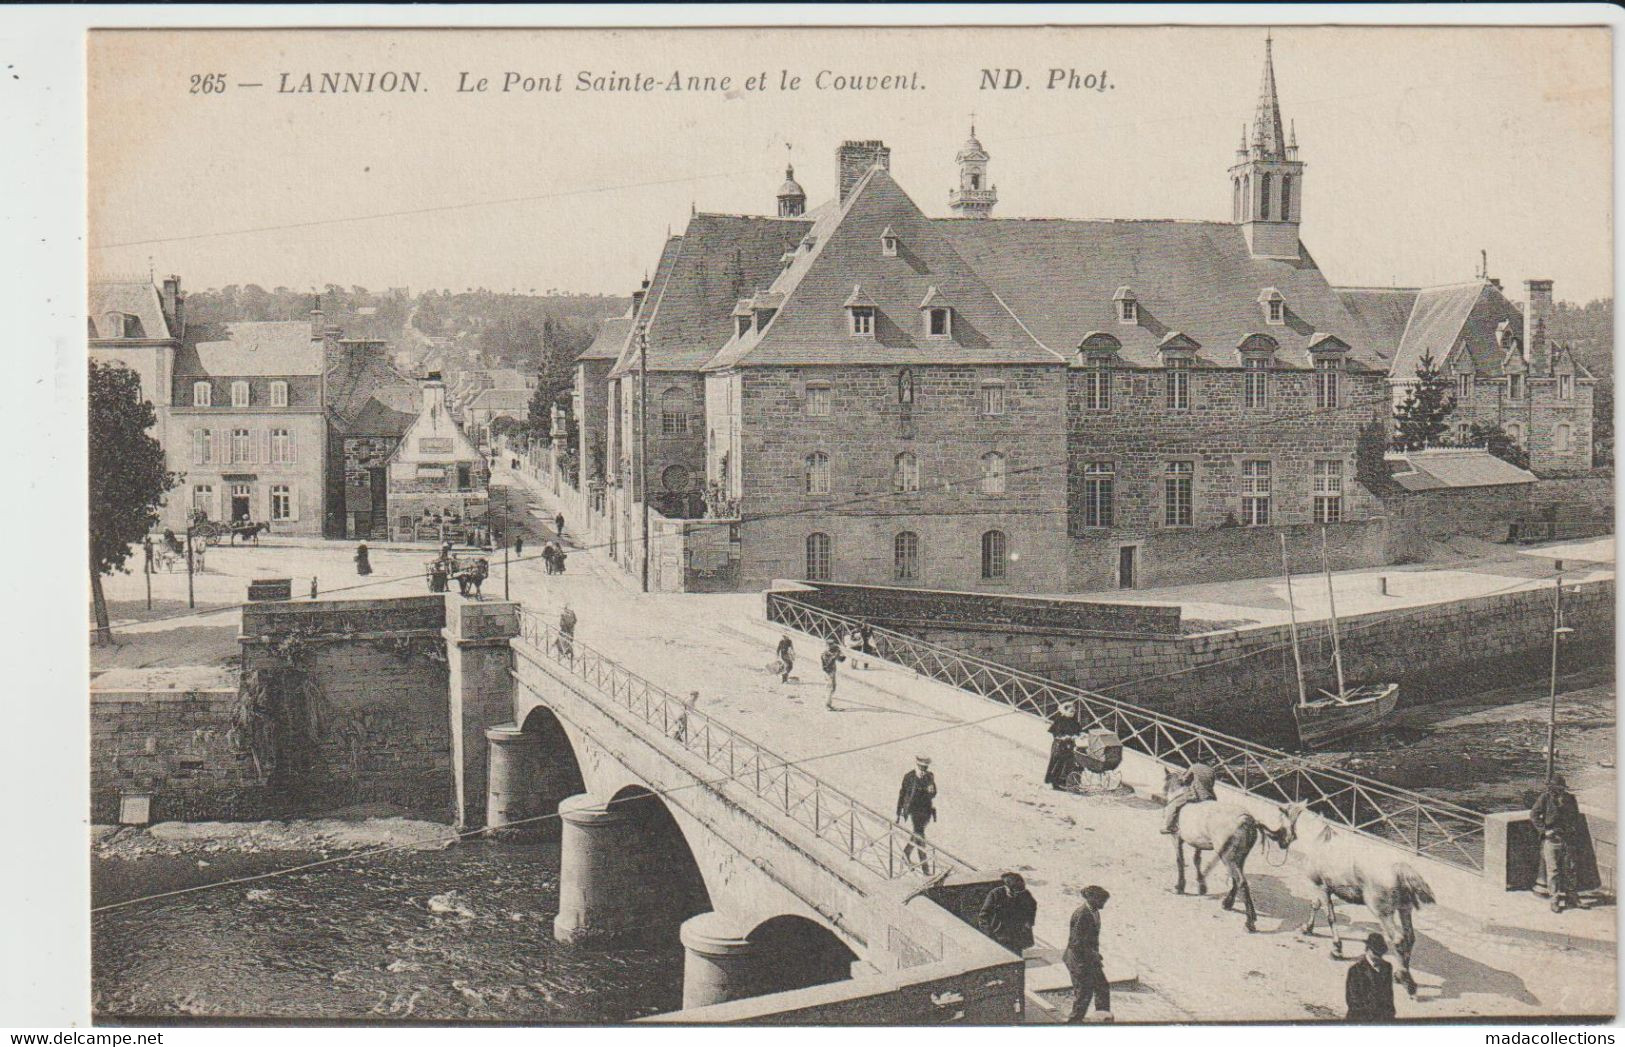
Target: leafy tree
pixel 1422 417
pixel 1602 424
pixel 127 476
pixel 1370 457
pixel 1495 440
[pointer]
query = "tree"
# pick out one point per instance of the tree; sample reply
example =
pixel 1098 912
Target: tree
pixel 1421 419
pixel 1495 440
pixel 127 476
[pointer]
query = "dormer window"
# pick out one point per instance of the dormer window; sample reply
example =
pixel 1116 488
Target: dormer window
pixel 1274 306
pixel 201 394
pixel 239 394
pixel 1327 351
pixel 860 310
pixel 1127 306
pixel 937 314
pixel 888 243
pixel 742 325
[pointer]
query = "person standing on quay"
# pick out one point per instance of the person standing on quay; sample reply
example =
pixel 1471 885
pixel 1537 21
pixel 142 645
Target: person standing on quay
pixel 519 545
pixel 363 564
pixel 917 800
pixel 832 658
pixel 1082 957
pixel 1008 913
pixel 1568 861
pixel 787 657
pixel 1369 990
pixel 558 524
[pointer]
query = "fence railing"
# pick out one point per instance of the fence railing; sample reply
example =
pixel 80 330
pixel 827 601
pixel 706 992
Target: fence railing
pixel 862 834
pixel 1426 826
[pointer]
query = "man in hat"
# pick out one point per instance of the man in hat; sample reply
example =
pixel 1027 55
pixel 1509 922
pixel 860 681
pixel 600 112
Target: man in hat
pixel 917 800
pixel 832 657
pixel 1195 786
pixel 1008 913
pixel 1082 957
pixel 1564 842
pixel 1369 990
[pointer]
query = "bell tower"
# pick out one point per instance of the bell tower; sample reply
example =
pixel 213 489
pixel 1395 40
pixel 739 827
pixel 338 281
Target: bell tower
pixel 975 196
pixel 1266 180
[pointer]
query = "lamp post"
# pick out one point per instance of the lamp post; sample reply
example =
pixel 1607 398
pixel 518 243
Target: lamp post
pixel 643 441
pixel 505 549
pixel 1559 631
pixel 190 600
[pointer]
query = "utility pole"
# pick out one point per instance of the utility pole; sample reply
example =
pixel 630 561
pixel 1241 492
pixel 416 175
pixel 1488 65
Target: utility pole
pixel 146 569
pixel 643 441
pixel 505 550
pixel 1558 632
pixel 190 600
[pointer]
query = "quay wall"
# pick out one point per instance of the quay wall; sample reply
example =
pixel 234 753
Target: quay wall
pixel 1241 681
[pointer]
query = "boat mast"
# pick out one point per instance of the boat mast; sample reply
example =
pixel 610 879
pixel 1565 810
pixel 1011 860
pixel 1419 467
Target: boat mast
pixel 1292 612
pixel 1331 603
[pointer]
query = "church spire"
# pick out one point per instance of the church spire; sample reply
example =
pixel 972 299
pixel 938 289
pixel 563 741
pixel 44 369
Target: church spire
pixel 1269 136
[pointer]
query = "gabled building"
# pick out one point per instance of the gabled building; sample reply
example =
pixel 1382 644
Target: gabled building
pixel 1504 367
pixel 370 405
pixel 133 323
pixel 438 481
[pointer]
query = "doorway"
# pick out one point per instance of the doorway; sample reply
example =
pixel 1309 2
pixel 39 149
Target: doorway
pixel 1126 557
pixel 241 499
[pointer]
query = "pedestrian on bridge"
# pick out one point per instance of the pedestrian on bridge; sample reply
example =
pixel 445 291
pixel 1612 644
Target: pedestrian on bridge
pixel 1369 988
pixel 832 658
pixel 1063 728
pixel 1082 957
pixel 1008 913
pixel 558 524
pixel 787 657
pixel 917 801
pixel 567 631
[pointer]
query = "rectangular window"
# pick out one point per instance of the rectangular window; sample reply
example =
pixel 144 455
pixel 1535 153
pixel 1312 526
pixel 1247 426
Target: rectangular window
pixel 281 502
pixel 1326 384
pixel 1178 508
pixel 937 322
pixel 1255 493
pixel 1328 492
pixel 819 398
pixel 1128 311
pixel 1464 388
pixel 1276 309
pixel 1463 433
pixel 1179 384
pixel 673 423
pixel 239 394
pixel 281 447
pixel 239 446
pixel 203 497
pixel 818 474
pixel 863 320
pixel 992 399
pixel 1256 383
pixel 1097 386
pixel 1565 387
pixel 465 476
pixel 906 557
pixel 279 394
pixel 1515 387
pixel 200 394
pixel 742 325
pixel 1099 478
pixel 993 473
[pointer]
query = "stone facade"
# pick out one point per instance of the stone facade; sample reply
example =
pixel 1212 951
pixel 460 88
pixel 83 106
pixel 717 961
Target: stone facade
pixel 275 473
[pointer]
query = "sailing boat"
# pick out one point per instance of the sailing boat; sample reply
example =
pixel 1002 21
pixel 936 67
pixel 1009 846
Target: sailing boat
pixel 1333 716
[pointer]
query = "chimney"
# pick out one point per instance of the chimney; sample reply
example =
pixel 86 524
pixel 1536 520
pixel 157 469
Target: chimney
pixel 174 304
pixel 853 160
pixel 638 296
pixel 316 325
pixel 434 393
pixel 1537 319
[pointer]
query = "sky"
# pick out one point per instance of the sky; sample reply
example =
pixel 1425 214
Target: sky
pixel 1424 146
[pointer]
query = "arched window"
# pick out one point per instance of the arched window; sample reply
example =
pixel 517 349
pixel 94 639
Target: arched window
pixel 993 473
pixel 1560 438
pixel 818 473
pixel 1515 432
pixel 906 473
pixel 818 557
pixel 906 557
pixel 1264 188
pixel 1286 198
pixel 994 553
pixel 674 412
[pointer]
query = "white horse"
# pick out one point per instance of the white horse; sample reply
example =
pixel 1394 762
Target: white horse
pixel 1341 870
pixel 1226 830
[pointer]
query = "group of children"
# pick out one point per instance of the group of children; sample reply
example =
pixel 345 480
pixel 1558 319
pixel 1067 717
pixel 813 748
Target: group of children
pixel 859 645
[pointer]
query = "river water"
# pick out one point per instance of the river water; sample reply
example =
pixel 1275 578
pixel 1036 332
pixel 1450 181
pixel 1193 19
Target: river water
pixel 383 937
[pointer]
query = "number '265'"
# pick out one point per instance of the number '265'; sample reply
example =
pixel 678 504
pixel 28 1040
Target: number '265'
pixel 208 83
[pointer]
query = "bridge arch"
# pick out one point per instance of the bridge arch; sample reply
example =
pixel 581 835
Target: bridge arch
pixel 779 954
pixel 660 848
pixel 806 952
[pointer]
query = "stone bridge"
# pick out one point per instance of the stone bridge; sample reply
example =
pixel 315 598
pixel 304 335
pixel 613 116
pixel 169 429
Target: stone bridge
pixel 793 902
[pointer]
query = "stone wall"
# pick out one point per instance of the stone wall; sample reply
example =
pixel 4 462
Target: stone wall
pixel 895 608
pixel 866 429
pixel 170 734
pixel 1589 495
pixel 1242 681
pixel 1481 512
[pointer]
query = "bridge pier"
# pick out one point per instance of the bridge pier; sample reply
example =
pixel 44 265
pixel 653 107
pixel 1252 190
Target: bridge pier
pixel 720 963
pixel 604 890
pixel 514 789
pixel 479 668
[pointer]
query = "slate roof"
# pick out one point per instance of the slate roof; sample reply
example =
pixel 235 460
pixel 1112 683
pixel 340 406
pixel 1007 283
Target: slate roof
pixel 610 340
pixel 368 396
pixel 846 263
pixel 1382 311
pixel 1199 278
pixel 1442 321
pixel 137 298
pixel 270 347
pixel 500 400
pixel 626 359
pixel 1449 468
pixel 718 260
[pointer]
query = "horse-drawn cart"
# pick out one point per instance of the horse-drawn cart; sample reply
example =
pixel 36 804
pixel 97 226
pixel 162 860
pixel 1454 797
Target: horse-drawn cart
pixel 468 572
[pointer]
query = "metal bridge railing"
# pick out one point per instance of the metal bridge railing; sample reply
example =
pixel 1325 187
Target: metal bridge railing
pixel 1426 826
pixel 862 834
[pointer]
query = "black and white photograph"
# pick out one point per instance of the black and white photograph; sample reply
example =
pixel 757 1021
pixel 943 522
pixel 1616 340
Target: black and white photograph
pixel 831 525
